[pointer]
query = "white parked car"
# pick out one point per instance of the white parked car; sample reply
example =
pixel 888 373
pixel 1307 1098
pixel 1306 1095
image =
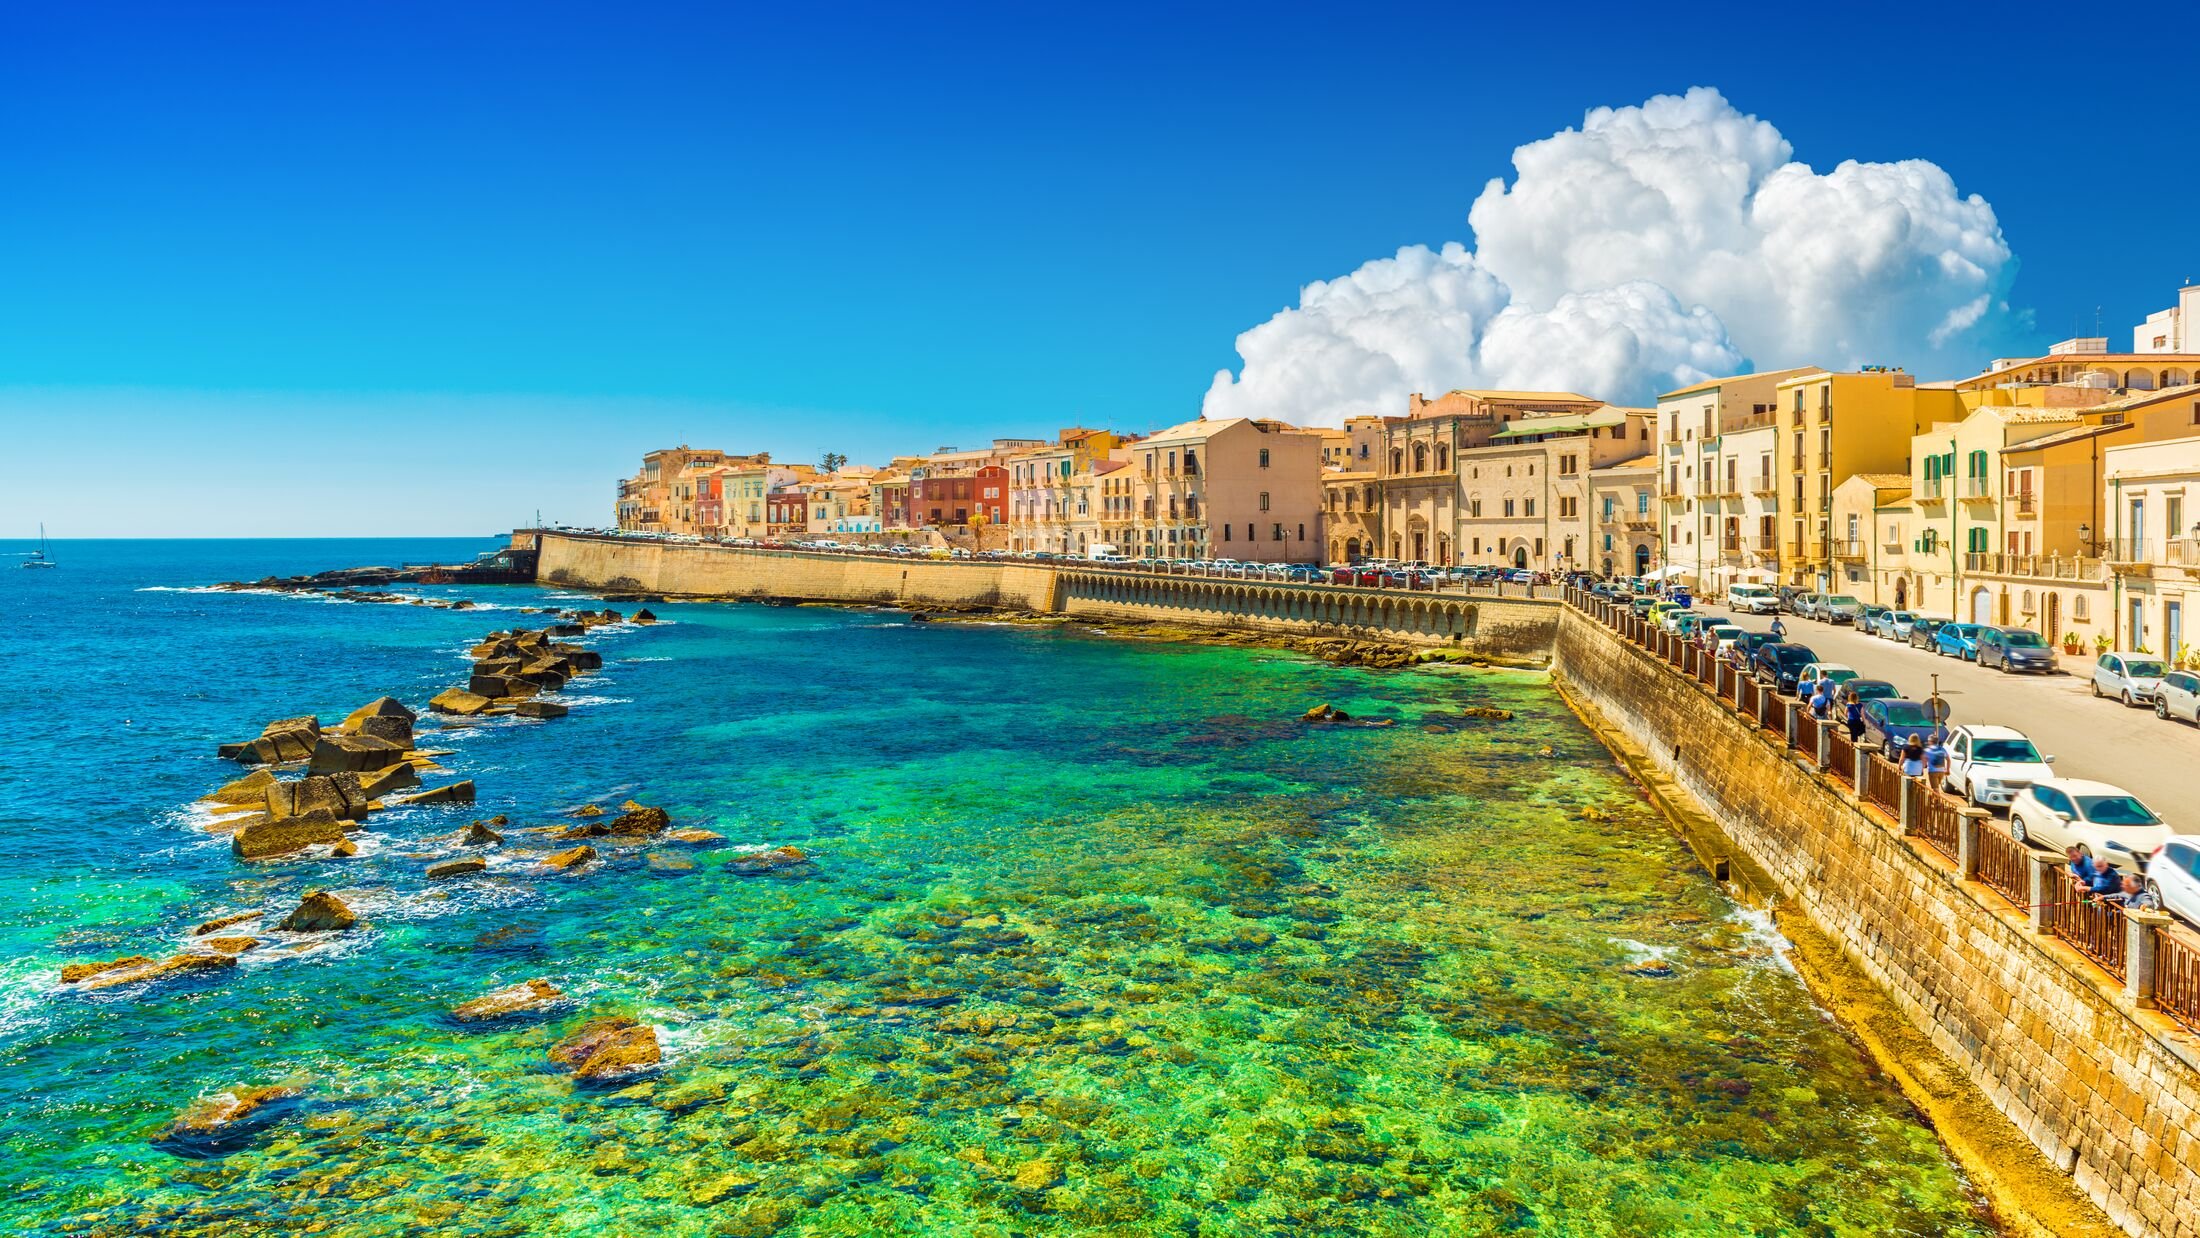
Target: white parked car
pixel 2129 677
pixel 2108 821
pixel 1839 672
pixel 1991 765
pixel 2178 697
pixel 1728 635
pixel 1752 600
pixel 2174 876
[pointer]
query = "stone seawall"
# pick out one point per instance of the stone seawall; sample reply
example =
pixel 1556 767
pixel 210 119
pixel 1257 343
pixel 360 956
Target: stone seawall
pixel 2109 1094
pixel 1485 624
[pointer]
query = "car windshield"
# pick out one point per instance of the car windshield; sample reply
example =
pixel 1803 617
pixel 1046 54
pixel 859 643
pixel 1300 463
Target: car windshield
pixel 1907 713
pixel 1795 656
pixel 1726 632
pixel 2006 750
pixel 1874 690
pixel 1838 674
pixel 1959 629
pixel 2022 638
pixel 1898 616
pixel 1840 599
pixel 2116 810
pixel 2142 668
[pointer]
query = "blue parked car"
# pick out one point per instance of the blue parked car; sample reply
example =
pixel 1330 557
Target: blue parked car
pixel 1957 640
pixel 1889 723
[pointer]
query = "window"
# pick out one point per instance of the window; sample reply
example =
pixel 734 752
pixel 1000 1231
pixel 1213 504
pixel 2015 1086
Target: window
pixel 1264 500
pixel 1264 457
pixel 1397 460
pixel 1529 505
pixel 1226 533
pixel 1642 502
pixel 1975 541
pixel 1443 456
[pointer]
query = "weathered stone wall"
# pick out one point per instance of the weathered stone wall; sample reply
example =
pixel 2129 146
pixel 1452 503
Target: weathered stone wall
pixel 1512 627
pixel 2108 1093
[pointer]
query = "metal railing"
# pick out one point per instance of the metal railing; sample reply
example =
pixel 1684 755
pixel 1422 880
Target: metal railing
pixel 1806 732
pixel 1844 757
pixel 2094 927
pixel 1881 784
pixel 2002 864
pixel 1935 818
pixel 1749 698
pixel 2177 976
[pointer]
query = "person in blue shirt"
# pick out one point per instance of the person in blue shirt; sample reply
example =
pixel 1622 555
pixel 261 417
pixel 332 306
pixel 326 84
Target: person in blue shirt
pixel 1821 700
pixel 1854 716
pixel 1936 756
pixel 1779 629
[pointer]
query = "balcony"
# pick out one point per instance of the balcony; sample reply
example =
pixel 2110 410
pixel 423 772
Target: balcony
pixel 2035 567
pixel 2026 505
pixel 1977 490
pixel 1848 548
pixel 1641 526
pixel 1933 491
pixel 1764 485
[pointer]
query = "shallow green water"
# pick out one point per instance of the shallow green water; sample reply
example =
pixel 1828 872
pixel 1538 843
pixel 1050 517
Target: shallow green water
pixel 1099 940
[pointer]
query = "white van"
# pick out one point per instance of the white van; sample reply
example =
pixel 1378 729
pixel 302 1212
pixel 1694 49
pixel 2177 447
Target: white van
pixel 1752 599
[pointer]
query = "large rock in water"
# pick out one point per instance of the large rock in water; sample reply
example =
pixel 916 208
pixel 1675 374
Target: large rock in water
pixel 570 858
pixel 139 968
pixel 461 792
pixel 540 709
pixel 527 997
pixel 608 1046
pixel 262 839
pixel 456 868
pixel 319 912
pixel 640 820
pixel 340 795
pixel 334 754
pixel 250 789
pixel 459 701
pixel 377 783
pixel 280 742
pixel 383 718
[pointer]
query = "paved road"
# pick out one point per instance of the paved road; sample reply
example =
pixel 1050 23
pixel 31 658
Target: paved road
pixel 2100 739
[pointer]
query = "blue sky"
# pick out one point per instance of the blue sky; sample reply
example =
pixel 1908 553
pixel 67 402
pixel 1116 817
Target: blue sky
pixel 427 268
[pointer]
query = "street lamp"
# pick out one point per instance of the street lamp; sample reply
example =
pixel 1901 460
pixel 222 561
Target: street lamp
pixel 2085 539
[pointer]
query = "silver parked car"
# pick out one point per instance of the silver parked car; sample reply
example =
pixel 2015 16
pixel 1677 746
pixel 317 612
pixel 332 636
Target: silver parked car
pixel 2178 697
pixel 1840 608
pixel 2129 677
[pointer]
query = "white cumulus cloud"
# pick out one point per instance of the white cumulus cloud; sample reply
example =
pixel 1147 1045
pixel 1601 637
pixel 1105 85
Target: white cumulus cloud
pixel 1653 246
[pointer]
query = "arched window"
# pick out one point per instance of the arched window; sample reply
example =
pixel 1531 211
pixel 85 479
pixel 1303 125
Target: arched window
pixel 1397 460
pixel 1443 456
pixel 1420 457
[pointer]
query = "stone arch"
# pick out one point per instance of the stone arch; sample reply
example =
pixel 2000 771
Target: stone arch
pixel 2139 379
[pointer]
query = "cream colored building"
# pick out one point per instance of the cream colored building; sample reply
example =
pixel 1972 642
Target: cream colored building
pixel 2154 543
pixel 1230 489
pixel 1693 508
pixel 1623 498
pixel 1047 485
pixel 1875 547
pixel 1526 495
pixel 1422 487
pixel 660 497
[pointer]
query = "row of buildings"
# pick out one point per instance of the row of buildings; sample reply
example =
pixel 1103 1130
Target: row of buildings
pixel 2047 491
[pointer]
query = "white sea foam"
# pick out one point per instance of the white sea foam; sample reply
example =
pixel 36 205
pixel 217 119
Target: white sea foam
pixel 1762 939
pixel 1641 952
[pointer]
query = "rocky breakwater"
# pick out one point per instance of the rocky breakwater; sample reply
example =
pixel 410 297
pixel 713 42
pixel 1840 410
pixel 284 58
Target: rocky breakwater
pixel 345 772
pixel 511 670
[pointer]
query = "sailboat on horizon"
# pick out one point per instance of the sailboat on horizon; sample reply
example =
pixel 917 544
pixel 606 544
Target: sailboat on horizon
pixel 39 557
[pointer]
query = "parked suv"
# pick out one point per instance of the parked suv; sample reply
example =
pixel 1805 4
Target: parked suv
pixel 2014 649
pixel 2132 678
pixel 1890 722
pixel 1778 663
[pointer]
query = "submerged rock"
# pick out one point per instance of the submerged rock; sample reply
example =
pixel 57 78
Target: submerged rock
pixel 231 945
pixel 587 810
pixel 608 1046
pixel 228 1109
pixel 540 709
pixel 319 912
pixel 1326 712
pixel 769 860
pixel 701 838
pixel 527 997
pixel 139 968
pixel 1487 711
pixel 219 923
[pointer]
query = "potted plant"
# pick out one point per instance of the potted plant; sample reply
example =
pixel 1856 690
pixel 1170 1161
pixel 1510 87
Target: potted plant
pixel 2184 656
pixel 2071 645
pixel 2101 643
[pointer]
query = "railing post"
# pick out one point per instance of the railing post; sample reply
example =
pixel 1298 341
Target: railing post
pixel 1789 718
pixel 1904 800
pixel 1825 743
pixel 1969 821
pixel 2139 960
pixel 2040 888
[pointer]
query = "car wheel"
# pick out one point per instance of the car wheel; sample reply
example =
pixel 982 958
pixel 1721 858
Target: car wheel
pixel 2126 698
pixel 2096 686
pixel 2155 888
pixel 2161 708
pixel 2018 832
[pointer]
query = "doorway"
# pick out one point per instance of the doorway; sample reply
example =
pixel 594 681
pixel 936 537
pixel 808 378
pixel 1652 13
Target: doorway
pixel 2053 611
pixel 1520 556
pixel 1901 594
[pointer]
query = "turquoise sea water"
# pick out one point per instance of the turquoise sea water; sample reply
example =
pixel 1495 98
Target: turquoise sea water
pixel 1099 939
